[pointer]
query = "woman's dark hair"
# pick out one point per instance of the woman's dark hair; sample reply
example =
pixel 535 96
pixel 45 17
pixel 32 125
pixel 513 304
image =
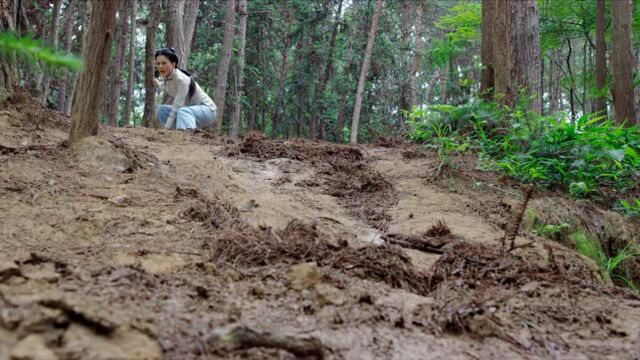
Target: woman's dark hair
pixel 170 54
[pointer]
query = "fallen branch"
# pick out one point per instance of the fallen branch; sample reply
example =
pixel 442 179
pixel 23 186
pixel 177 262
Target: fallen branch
pixel 512 228
pixel 242 337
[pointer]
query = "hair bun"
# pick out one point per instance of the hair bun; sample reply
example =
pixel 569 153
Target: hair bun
pixel 172 50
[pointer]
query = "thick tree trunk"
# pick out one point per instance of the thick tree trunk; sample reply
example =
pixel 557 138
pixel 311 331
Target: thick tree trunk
pixel 525 47
pixel 487 82
pixel 132 64
pixel 417 56
pixel 237 110
pixel 223 65
pixel 355 121
pixel 622 62
pixel 175 30
pixel 8 65
pixel 149 117
pixel 501 53
pixel 91 84
pixel 113 101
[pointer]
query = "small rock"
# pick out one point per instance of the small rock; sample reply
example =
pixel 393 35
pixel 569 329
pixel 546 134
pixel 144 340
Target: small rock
pixel 44 272
pixel 329 294
pixel 120 200
pixel 32 347
pixel 303 276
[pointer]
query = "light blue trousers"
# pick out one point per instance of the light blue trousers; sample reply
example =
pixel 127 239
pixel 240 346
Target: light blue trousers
pixel 188 117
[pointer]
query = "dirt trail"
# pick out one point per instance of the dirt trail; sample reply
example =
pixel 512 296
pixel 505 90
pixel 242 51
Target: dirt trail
pixel 142 243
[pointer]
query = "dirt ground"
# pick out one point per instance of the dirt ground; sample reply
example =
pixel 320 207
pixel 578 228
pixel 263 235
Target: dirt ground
pixel 149 244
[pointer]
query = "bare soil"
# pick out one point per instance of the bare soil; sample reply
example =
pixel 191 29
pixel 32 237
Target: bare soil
pixel 148 244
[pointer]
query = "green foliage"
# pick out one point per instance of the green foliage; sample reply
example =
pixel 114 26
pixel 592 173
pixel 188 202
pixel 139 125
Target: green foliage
pixel 609 265
pixel 582 157
pixel 462 24
pixel 34 50
pixel 631 208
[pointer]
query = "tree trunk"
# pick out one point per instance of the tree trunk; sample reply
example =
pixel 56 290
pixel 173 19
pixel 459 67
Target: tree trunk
pixel 363 73
pixel 149 117
pixel 53 43
pixel 237 110
pixel 417 56
pixel 85 10
pixel 8 65
pixel 189 22
pixel 501 53
pixel 525 57
pixel 601 58
pixel 91 84
pixel 622 62
pixel 113 101
pixel 283 78
pixel 487 82
pixel 405 26
pixel 132 64
pixel 225 58
pixel 175 30
pixel 328 71
pixel 69 20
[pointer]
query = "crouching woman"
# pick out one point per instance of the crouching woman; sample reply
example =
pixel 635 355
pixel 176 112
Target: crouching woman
pixel 192 108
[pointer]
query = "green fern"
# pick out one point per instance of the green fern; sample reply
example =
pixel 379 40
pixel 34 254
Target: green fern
pixel 33 50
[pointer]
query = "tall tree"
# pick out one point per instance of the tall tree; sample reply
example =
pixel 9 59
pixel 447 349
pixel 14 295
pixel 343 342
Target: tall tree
pixel 87 102
pixel 363 72
pixel 622 62
pixel 149 117
pixel 113 97
pixel 85 11
pixel 8 65
pixel 189 23
pixel 132 63
pixel 53 43
pixel 517 55
pixel 283 74
pixel 175 30
pixel 69 20
pixel 599 103
pixel 487 81
pixel 236 116
pixel 417 55
pixel 223 65
pixel 525 50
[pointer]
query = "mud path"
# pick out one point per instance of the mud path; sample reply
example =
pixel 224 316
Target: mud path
pixel 142 244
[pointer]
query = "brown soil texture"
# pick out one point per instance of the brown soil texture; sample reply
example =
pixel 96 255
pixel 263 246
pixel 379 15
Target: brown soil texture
pixel 149 244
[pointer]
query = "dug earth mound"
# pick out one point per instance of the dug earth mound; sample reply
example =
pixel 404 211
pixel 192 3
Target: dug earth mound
pixel 148 244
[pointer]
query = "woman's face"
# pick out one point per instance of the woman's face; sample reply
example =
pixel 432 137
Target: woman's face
pixel 165 67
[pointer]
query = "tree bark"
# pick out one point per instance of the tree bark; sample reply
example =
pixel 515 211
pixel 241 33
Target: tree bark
pixel 175 30
pixel 149 117
pixel 223 65
pixel 417 56
pixel 363 73
pixel 113 101
pixel 132 64
pixel 85 10
pixel 526 53
pixel 69 20
pixel 91 84
pixel 405 26
pixel 237 110
pixel 53 43
pixel 283 77
pixel 487 82
pixel 8 65
pixel 622 62
pixel 501 53
pixel 189 22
